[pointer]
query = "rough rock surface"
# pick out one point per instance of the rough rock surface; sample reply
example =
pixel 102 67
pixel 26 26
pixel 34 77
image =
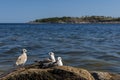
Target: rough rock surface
pixel 105 76
pixel 54 73
pixel 35 72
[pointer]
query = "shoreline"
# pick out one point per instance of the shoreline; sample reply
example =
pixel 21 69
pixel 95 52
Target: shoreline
pixel 75 23
pixel 78 20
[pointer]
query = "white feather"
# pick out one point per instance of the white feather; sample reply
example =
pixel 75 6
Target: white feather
pixel 22 58
pixel 59 61
pixel 52 57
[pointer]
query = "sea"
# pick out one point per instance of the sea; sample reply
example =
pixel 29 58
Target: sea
pixel 95 47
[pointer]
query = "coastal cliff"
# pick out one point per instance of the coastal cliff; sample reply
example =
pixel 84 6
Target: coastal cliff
pixel 34 72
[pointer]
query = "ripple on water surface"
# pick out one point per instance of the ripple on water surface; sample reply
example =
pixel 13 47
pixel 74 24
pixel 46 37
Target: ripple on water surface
pixel 91 46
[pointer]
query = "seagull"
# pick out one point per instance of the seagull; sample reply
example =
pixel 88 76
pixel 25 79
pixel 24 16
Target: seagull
pixel 59 61
pixel 22 58
pixel 47 62
pixel 52 64
pixel 52 57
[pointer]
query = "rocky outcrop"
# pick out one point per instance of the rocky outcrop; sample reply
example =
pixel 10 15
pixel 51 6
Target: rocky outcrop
pixel 34 72
pixel 54 73
pixel 105 76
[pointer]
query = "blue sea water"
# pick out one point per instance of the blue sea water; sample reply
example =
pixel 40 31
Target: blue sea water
pixel 89 46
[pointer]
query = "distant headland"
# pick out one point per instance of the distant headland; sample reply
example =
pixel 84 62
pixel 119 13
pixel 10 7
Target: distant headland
pixel 79 20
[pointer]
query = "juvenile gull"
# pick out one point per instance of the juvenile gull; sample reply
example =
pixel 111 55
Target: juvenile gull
pixel 22 58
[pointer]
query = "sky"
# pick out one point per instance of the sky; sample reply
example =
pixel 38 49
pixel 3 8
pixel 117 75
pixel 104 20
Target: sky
pixel 21 11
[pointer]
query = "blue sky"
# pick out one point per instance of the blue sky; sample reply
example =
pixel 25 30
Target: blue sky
pixel 19 11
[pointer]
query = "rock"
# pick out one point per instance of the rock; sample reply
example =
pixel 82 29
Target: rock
pixel 105 76
pixel 101 75
pixel 53 73
pixel 35 72
pixel 115 76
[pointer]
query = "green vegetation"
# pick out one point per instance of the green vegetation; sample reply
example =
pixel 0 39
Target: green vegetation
pixel 83 19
